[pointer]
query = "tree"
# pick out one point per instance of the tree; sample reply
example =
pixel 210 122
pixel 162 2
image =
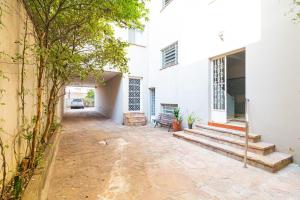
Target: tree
pixel 90 94
pixel 296 11
pixel 76 38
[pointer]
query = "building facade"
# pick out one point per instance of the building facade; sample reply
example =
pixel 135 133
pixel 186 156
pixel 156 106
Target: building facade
pixel 208 57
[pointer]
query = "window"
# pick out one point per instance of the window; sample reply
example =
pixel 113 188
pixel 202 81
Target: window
pixel 134 101
pixel 152 101
pixel 135 36
pixel 170 55
pixel 168 108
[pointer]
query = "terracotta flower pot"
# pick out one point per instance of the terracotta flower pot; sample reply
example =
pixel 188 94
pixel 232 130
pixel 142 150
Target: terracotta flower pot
pixel 176 125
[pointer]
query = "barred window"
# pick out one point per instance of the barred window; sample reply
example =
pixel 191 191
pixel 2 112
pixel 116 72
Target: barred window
pixel 170 55
pixel 168 108
pixel 134 101
pixel 152 101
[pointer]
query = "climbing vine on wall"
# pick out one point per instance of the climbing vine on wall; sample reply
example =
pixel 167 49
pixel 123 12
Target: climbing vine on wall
pixel 2 145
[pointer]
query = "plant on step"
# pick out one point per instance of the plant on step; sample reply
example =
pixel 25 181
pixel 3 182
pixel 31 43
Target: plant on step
pixel 177 120
pixel 191 120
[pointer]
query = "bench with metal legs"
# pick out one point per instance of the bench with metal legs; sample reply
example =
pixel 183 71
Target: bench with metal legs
pixel 164 120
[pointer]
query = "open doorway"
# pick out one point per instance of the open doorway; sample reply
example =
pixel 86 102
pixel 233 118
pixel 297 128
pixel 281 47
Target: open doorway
pixel 79 98
pixel 228 87
pixel 236 90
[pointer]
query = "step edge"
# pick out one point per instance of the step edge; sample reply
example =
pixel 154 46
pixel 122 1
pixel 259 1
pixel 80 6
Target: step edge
pixel 231 140
pixel 227 150
pixel 227 126
pixel 223 130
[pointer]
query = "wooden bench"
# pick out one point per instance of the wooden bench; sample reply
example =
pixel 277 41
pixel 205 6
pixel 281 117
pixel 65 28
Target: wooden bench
pixel 164 120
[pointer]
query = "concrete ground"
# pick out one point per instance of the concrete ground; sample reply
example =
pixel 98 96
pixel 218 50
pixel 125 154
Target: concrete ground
pixel 101 160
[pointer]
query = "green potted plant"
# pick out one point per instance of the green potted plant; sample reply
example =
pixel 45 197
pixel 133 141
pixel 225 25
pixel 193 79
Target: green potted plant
pixel 191 120
pixel 177 120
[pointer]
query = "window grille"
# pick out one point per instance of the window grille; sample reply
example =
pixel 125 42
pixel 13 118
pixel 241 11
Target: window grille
pixel 134 101
pixel 219 84
pixel 168 108
pixel 152 101
pixel 170 55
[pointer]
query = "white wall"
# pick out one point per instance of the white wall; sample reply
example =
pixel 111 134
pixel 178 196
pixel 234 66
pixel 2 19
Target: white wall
pixel 138 68
pixel 196 26
pixel 112 98
pixel 272 71
pixel 273 83
pixel 109 99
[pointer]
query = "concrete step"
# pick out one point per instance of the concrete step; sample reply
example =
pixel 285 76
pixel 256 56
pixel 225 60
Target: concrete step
pixel 242 120
pixel 134 119
pixel 238 126
pixel 272 162
pixel 229 132
pixel 236 123
pixel 134 114
pixel 135 123
pixel 262 148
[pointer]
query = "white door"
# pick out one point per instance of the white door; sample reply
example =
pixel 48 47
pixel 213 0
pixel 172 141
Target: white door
pixel 219 90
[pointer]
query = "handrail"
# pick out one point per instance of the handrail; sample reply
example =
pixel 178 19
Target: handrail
pixel 246 131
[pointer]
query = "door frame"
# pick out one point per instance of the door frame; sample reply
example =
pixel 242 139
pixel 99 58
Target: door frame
pixel 217 115
pixel 141 94
pixel 152 90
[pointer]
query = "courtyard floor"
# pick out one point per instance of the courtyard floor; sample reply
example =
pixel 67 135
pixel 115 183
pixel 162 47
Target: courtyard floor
pixel 100 160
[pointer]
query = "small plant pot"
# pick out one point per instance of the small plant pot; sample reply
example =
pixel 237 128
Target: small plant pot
pixel 176 126
pixel 190 126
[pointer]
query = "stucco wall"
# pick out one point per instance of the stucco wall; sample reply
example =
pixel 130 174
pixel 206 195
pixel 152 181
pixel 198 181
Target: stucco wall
pixel 12 31
pixel 109 99
pixel 196 26
pixel 205 29
pixel 273 83
pixel 138 68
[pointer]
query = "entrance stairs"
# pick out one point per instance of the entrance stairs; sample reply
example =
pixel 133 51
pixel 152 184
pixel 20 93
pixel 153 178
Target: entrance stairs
pixel 229 140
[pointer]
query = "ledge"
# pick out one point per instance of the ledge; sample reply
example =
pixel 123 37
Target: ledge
pixel 37 188
pixel 138 45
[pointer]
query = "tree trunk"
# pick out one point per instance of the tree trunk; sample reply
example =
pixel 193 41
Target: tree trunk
pixel 49 121
pixel 36 129
pixel 4 170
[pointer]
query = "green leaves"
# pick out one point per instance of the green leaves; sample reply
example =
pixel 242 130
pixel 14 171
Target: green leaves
pixel 75 38
pixel 78 35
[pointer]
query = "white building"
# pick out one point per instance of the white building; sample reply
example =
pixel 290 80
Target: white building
pixel 207 57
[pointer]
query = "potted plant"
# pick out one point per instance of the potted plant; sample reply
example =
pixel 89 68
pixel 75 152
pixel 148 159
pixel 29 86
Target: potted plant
pixel 177 120
pixel 191 120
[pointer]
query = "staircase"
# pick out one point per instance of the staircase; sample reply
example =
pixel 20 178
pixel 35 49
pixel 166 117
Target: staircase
pixel 134 119
pixel 229 139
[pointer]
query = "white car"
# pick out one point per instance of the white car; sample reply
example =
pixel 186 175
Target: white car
pixel 77 103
